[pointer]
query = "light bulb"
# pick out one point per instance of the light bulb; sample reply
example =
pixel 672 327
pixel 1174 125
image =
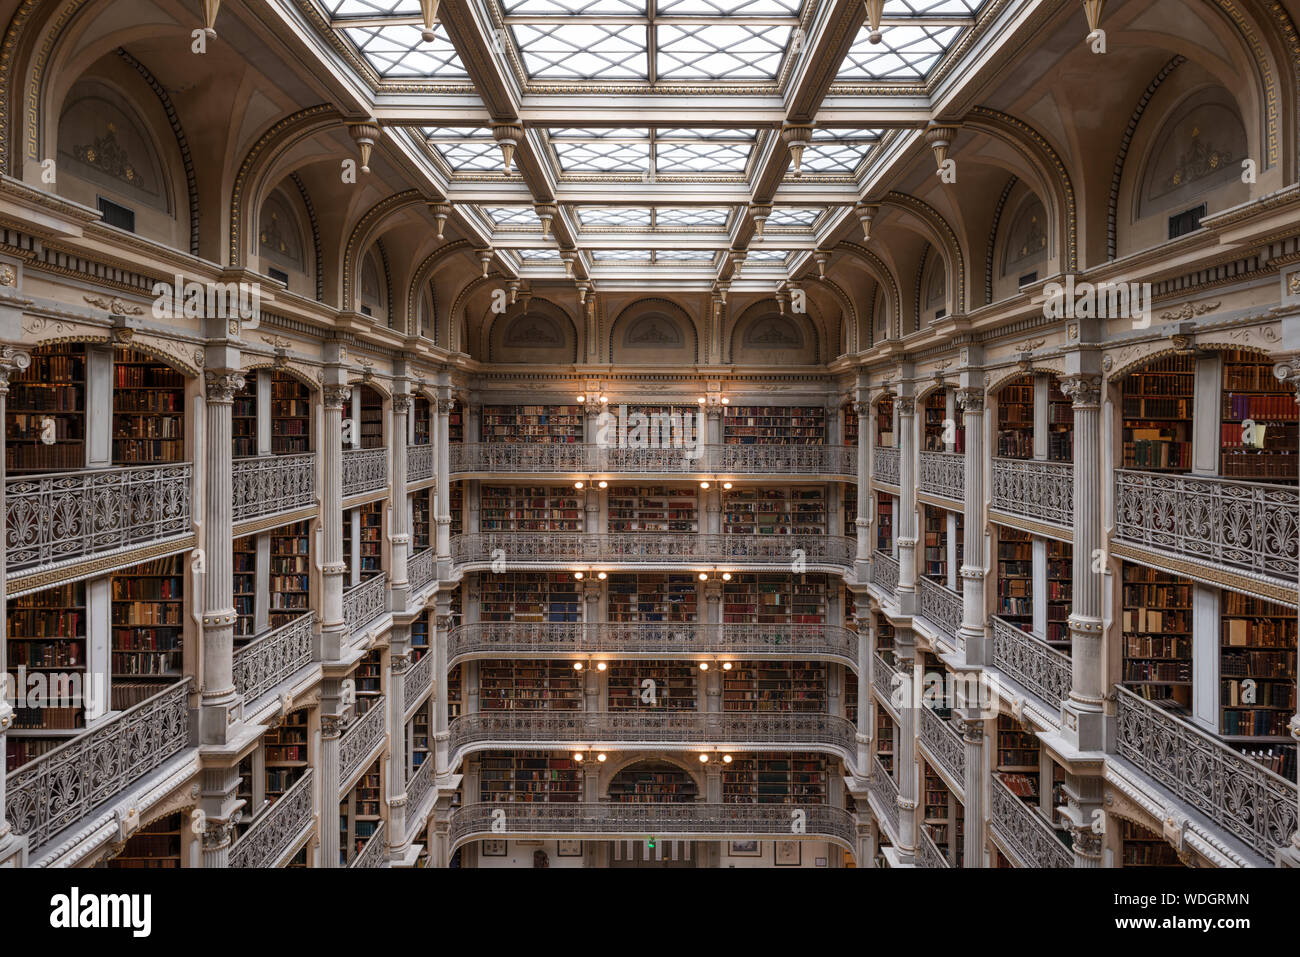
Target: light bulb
pixel 726 759
pixel 601 756
pixel 704 759
pixel 601 666
pixel 603 484
pixel 700 400
pixel 704 666
pixel 577 756
pixel 726 666
pixel 726 401
pixel 579 484
pixel 582 398
pixel 704 485
pixel 726 485
pixel 577 666
pixel 578 575
pixel 604 398
pixel 704 576
pixel 600 575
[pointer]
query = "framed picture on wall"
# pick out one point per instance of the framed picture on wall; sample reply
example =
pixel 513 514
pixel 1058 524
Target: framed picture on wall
pixel 788 854
pixel 568 848
pixel 494 848
pixel 744 849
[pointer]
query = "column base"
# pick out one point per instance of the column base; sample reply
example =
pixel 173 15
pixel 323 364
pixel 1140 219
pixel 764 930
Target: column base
pixel 1085 727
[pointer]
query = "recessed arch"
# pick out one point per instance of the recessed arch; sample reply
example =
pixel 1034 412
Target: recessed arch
pixel 653 332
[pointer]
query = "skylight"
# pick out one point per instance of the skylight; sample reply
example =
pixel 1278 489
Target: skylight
pixel 793 216
pixel 838 151
pixel 669 151
pixel 512 215
pixel 465 149
pixel 627 217
pixel 398 50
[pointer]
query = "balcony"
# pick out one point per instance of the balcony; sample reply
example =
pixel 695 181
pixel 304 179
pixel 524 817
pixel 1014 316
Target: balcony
pixel 1039 491
pixel 885 793
pixel 884 572
pixel 1023 831
pixel 884 465
pixel 277 656
pixel 1247 527
pixel 419 679
pixel 420 569
pixel 1248 801
pixel 666 820
pixel 64 517
pixel 1038 667
pixel 626 641
pixel 942 607
pixel 418 802
pixel 280 830
pixel 372 855
pixel 831 553
pixel 63 786
pixel 364 470
pixel 419 463
pixel 365 603
pixel 945 745
pixel 633 730
pixel 882 679
pixel 270 484
pixel 943 474
pixel 927 854
pixel 360 743
pixel 579 459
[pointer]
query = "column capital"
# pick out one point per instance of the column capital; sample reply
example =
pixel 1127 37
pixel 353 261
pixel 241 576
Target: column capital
pixel 335 396
pixel 446 404
pixel 400 664
pixel 1287 372
pixel 1085 390
pixel 401 403
pixel 222 384
pixel 971 399
pixel 331 725
pixel 11 360
pixel 906 404
pixel 972 731
pixel 1087 842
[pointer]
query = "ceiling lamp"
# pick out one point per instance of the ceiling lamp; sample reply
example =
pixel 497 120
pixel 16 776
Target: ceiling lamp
pixel 797 138
pixel 1092 10
pixel 759 214
pixel 866 213
pixel 567 256
pixel 429 14
pixel 365 135
pixel 875 9
pixel 485 257
pixel 546 214
pixel 441 212
pixel 508 136
pixel 210 8
pixel 821 259
pixel 940 138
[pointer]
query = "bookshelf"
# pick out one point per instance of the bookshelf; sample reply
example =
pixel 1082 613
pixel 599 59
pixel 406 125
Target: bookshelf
pixel 47 633
pixel 243 419
pixel 1258 645
pixel 359 815
pixel 789 686
pixel 774 425
pixel 456 506
pixel 290 572
pixel 885 638
pixel 675 685
pixel 774 511
pixel 850 507
pixel 1158 636
pixel 534 424
pixel 370 407
pixel 1251 393
pixel 1060 590
pixel 647 597
pixel 456 424
pixel 290 415
pixel 1157 404
pixel 455 692
pixel 884 521
pixel 244 558
pixel 421 521
pixel 653 508
pixel 884 738
pixel 286 754
pixel 885 422
pixel 53 387
pixel 943 815
pixel 775 778
pixel 652 782
pixel 530 597
pixel 148 411
pixel 529 776
pixel 851 426
pixel 936 543
pixel 371 544
pixel 774 598
pixel 156 846
pixel 419 738
pixel 530 509
pixel 1016 577
pixel 420 421
pixel 148 619
pixel 1060 423
pixel 529 686
pixel 421 633
pixel 1016 419
pixel 1017 759
pixel 1140 847
pixel 935 413
pixel 368 677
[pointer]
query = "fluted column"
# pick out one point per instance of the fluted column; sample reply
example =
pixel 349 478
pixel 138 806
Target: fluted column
pixel 974 615
pixel 399 663
pixel 1287 372
pixel 333 627
pixel 862 521
pixel 972 734
pixel 400 536
pixel 905 756
pixel 331 731
pixel 442 623
pixel 906 519
pixel 1087 686
pixel 443 463
pixel 866 642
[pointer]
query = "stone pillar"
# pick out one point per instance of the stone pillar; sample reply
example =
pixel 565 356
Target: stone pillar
pixel 215 818
pixel 906 518
pixel 863 717
pixel 974 615
pixel 905 749
pixel 972 734
pixel 1287 372
pixel 864 849
pixel 442 624
pixel 443 466
pixel 399 663
pixel 1084 799
pixel 862 521
pixel 1082 718
pixel 331 731
pixel 333 627
pixel 400 524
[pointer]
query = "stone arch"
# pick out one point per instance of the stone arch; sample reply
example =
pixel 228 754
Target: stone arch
pixel 630 759
pixel 367 226
pixel 283 236
pixel 423 275
pixel 881 273
pixel 941 235
pixel 539 327
pixel 662 330
pixel 761 328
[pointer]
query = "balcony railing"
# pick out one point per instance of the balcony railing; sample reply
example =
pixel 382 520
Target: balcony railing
pixel 885 791
pixel 884 465
pixel 927 854
pixel 268 484
pixel 1024 831
pixel 1036 665
pixel 783 459
pixel 61 517
pixel 944 743
pixel 417 791
pixel 64 785
pixel 419 679
pixel 884 572
pixel 372 855
pixel 776 729
pixel 561 548
pixel 664 820
pixel 941 606
pixel 1039 490
pixel 360 741
pixel 943 474
pixel 576 458
pixel 364 470
pixel 528 458
pixel 1246 799
pixel 882 679
pixel 421 568
pixel 1246 526
pixel 653 640
pixel 419 463
pixel 364 603
pixel 278 655
pixel 279 829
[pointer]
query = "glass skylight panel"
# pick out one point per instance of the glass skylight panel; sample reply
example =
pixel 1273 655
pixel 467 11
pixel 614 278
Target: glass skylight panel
pixel 727 8
pixel 465 149
pixel 702 151
pixel 370 8
pixel 398 50
pixel 628 217
pixel 685 255
pixel 907 52
pixel 798 216
pixel 691 216
pixel 620 255
pixel 760 255
pixel 602 157
pixel 539 255
pixel 838 151
pixel 545 8
pixel 512 215
pixel 582 51
pixel 719 51
pixel 932 8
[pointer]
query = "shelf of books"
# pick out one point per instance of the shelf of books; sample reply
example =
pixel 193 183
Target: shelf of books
pixel 885 638
pixel 530 509
pixel 1257 679
pixel 368 680
pixel 148 410
pixel 371 545
pixel 774 425
pixel 943 815
pixel 1016 577
pixel 851 426
pixel 530 597
pixel 1259 436
pixel 885 423
pixel 850 506
pixel 371 418
pixel 1158 636
pixel 529 776
pixel 156 846
pixel 652 782
pixel 534 424
pixel 850 684
pixel 774 511
pixel 290 415
pixel 1060 588
pixel 674 689
pixel 1017 759
pixel 290 572
pixel 421 632
pixel 647 597
pixel 148 620
pixel 884 738
pixel 421 421
pixel 421 521
pixel 775 778
pixel 653 508
pixel 455 692
pixel 884 522
pixel 419 737
pixel 1060 423
pixel 775 686
pixel 47 637
pixel 774 598
pixel 456 424
pixel 936 542
pixel 359 815
pixel 244 557
pixel 48 398
pixel 1157 404
pixel 286 754
pixel 1140 847
pixel 456 507
pixel 1016 419
pixel 934 425
pixel 243 418
pixel 529 686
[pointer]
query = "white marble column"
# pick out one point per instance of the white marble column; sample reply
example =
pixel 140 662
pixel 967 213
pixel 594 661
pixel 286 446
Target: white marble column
pixel 906 518
pixel 400 534
pixel 862 521
pixel 333 627
pixel 443 465
pixel 399 663
pixel 331 731
pixel 905 747
pixel 442 624
pixel 1288 372
pixel 974 613
pixel 972 735
pixel 863 716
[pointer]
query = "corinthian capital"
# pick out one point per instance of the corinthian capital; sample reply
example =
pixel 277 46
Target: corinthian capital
pixel 335 396
pixel 223 384
pixel 11 360
pixel 971 400
pixel 906 405
pixel 401 404
pixel 1288 373
pixel 446 406
pixel 1085 390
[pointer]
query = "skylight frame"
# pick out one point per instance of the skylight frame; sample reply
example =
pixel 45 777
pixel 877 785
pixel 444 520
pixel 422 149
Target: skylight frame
pixel 652 153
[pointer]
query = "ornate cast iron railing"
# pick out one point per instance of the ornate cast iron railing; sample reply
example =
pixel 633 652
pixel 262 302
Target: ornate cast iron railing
pixel 268 484
pixel 419 463
pixel 942 740
pixel 927 854
pixel 884 465
pixel 572 458
pixel 941 606
pixel 884 572
pixel 885 791
pixel 1039 667
pixel 71 515
pixel 364 470
pixel 359 741
pixel 64 785
pixel 418 682
pixel 420 569
pixel 372 855
pixel 262 664
pixel 1038 490
pixel 1246 799
pixel 882 678
pixel 944 474
pixel 272 835
pixel 1024 831
pixel 417 790
pixel 650 548
pixel 530 457
pixel 783 459
pixel 364 603
pixel 1246 526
